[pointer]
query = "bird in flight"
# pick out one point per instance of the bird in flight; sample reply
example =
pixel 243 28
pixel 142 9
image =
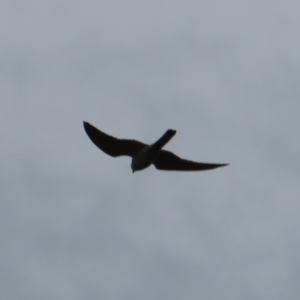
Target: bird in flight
pixel 144 155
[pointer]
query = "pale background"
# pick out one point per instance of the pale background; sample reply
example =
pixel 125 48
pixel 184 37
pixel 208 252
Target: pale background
pixel 76 223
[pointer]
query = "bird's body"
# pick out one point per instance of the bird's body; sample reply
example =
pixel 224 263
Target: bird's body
pixel 144 155
pixel 147 155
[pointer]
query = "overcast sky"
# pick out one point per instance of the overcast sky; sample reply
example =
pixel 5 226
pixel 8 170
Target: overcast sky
pixel 76 223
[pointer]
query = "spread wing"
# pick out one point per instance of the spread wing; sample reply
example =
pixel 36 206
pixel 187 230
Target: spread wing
pixel 169 161
pixel 111 145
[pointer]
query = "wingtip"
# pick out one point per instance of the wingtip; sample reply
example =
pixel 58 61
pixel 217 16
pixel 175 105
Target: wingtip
pixel 85 124
pixel 224 165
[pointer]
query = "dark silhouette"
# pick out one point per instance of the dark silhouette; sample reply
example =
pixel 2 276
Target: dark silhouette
pixel 144 155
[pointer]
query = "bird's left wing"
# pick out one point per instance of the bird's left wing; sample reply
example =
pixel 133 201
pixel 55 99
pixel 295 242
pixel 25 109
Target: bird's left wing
pixel 111 145
pixel 167 160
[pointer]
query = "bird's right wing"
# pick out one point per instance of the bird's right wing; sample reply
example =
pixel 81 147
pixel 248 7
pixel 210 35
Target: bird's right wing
pixel 111 145
pixel 167 160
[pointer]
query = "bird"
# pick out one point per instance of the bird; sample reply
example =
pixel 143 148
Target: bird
pixel 144 155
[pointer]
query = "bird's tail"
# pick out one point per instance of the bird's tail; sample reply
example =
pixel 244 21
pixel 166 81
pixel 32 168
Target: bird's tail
pixel 165 138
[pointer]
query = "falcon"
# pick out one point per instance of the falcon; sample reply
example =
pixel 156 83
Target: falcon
pixel 144 155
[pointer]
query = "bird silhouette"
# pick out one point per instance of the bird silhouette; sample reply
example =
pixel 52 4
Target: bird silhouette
pixel 144 155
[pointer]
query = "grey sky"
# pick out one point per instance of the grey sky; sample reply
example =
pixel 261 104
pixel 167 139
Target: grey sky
pixel 77 224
